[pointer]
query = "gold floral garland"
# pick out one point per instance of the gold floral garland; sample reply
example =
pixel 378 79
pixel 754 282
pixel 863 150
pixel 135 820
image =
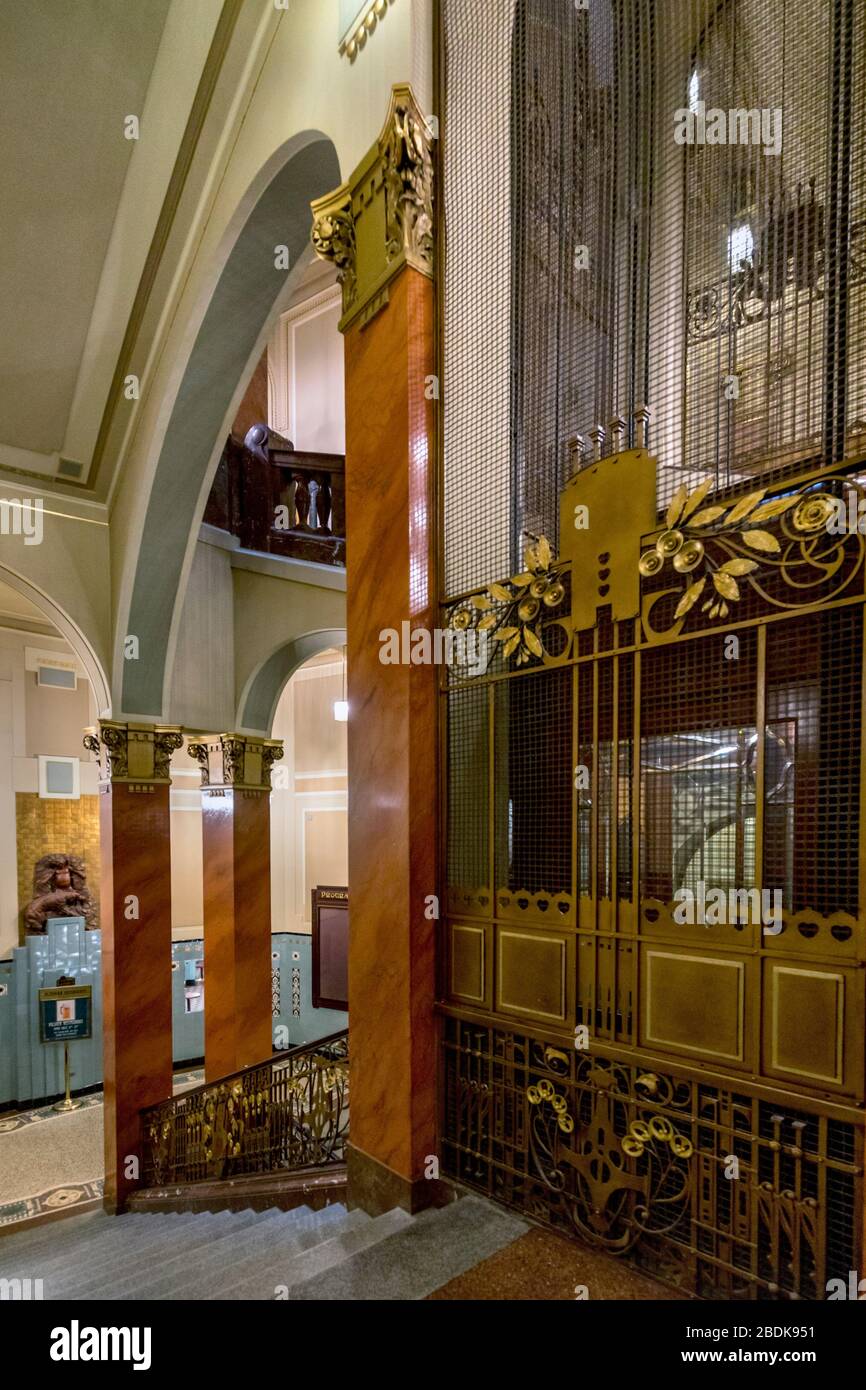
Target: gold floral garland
pixel 689 525
pixel 517 624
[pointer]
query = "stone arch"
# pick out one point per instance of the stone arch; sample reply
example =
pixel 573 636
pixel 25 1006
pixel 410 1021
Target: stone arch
pixel 261 695
pixel 246 295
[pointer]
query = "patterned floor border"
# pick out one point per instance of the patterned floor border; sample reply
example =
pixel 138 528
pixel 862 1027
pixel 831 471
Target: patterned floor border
pixel 71 1194
pixel 9 1123
pixel 55 1199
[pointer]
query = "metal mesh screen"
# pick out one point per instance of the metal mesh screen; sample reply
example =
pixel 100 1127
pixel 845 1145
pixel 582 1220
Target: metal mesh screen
pixel 698 737
pixel 595 264
pixel 812 762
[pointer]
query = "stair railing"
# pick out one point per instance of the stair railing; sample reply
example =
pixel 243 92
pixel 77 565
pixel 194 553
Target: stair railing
pixel 289 1112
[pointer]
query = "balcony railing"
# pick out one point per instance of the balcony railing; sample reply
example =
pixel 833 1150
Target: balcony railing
pixel 281 500
pixel 288 1113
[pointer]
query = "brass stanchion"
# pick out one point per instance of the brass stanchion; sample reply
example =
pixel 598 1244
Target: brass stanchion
pixel 68 1103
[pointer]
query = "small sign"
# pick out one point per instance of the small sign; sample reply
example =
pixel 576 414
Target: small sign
pixel 65 1013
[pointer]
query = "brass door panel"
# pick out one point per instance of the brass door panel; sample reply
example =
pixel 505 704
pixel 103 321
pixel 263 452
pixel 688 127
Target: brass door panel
pixel 534 971
pixel 810 1025
pixel 467 957
pixel 697 1004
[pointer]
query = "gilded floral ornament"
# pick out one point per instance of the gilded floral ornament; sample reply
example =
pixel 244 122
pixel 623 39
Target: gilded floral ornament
pixel 544 1091
pixel 658 1129
pixel 512 612
pixel 720 545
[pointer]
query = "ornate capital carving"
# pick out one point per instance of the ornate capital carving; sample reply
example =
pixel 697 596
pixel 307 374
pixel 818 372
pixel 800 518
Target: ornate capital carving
pixel 404 148
pixel 133 752
pixel 236 761
pixel 381 218
pixel 334 239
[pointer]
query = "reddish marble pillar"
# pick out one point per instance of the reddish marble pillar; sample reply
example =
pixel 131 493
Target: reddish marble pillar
pixel 135 916
pixel 236 856
pixel 392 751
pixel 377 229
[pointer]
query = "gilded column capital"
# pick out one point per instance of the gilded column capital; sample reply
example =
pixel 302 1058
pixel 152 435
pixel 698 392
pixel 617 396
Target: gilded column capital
pixel 238 762
pixel 334 238
pixel 381 218
pixel 132 752
pixel 405 149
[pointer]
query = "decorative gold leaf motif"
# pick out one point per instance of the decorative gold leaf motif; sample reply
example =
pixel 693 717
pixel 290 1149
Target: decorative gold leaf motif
pixel 480 601
pixel 726 585
pixel 678 501
pixel 689 598
pixel 739 566
pixel 744 506
pixel 511 645
pixel 532 641
pixel 505 632
pixel 774 508
pixel 487 622
pixel 537 555
pixel 499 593
pixel 520 581
pixel 762 540
pixel 696 498
pixel 708 515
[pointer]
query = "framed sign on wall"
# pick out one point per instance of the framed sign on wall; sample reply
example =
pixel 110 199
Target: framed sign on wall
pixel 330 918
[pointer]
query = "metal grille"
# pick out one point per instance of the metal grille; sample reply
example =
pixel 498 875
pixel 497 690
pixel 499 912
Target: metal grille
pixel 594 264
pixel 533 783
pixel 468 764
pixel 812 761
pixel 641 1161
pixel 698 736
pixel 672 715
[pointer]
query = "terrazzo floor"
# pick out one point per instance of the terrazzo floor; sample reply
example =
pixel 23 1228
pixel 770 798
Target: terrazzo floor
pixel 541 1265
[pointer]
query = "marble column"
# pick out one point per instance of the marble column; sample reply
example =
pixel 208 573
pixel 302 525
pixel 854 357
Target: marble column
pixel 135 915
pixel 377 229
pixel 236 856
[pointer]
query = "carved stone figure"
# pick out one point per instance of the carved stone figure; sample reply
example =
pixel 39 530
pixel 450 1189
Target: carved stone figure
pixel 59 890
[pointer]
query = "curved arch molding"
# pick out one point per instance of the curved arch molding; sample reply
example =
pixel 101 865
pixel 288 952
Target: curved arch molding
pixel 245 293
pixel 259 701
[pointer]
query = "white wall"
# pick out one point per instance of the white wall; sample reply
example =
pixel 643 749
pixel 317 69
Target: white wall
pixel 306 376
pixel 309 806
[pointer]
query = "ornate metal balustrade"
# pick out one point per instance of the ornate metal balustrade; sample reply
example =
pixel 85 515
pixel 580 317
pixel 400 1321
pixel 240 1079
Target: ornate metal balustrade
pixel 290 1112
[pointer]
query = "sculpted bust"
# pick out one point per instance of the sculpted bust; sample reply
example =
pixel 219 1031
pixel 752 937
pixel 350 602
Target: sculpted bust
pixel 59 890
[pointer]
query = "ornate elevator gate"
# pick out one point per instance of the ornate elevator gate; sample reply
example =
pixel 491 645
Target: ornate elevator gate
pixel 671 716
pixel 652 966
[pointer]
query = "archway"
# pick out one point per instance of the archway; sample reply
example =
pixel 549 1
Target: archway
pixel 262 692
pixel 245 298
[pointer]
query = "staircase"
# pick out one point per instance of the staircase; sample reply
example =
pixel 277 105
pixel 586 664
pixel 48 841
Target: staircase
pixel 299 1254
